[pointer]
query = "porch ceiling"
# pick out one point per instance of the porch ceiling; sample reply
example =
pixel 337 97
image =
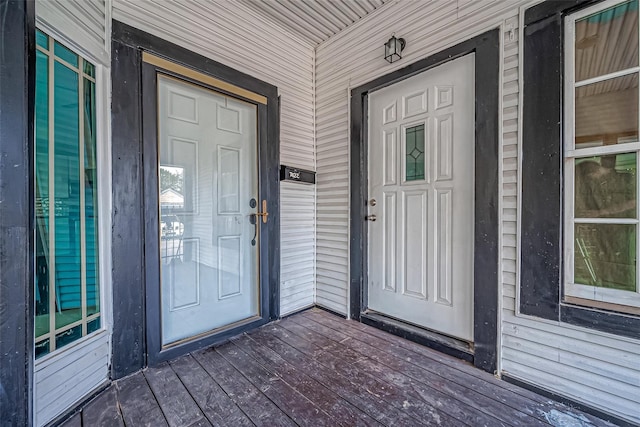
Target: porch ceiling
pixel 314 20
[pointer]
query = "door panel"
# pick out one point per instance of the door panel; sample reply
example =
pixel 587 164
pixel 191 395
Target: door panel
pixel 208 176
pixel 421 170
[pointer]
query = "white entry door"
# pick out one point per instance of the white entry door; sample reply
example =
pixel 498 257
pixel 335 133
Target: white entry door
pixel 421 195
pixel 208 196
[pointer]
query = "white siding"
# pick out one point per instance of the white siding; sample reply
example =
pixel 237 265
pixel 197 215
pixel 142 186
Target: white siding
pixel 600 370
pixel 354 57
pixel 66 377
pixel 235 35
pixel 85 22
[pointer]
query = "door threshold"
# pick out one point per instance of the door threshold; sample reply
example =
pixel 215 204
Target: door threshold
pixel 442 343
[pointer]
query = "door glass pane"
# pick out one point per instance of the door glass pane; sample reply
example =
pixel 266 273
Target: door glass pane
pixel 207 179
pixel 605 255
pixel 606 186
pixel 414 153
pixel 607 112
pixel 607 41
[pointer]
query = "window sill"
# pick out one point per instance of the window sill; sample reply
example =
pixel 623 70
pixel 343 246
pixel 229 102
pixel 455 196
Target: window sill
pixel 602 305
pixel 620 324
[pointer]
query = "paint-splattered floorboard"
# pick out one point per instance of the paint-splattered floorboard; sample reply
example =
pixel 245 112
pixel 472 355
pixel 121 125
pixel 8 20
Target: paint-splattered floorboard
pixel 316 369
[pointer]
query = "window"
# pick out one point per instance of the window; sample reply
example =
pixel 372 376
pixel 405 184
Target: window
pixel 601 155
pixel 67 289
pixel 579 220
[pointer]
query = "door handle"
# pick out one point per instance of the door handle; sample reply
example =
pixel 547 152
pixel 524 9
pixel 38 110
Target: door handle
pixel 371 217
pixel 264 214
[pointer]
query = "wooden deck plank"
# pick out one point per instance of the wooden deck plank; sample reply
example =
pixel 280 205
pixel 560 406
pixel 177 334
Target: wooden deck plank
pixel 343 411
pixel 176 403
pixel 315 368
pixel 217 406
pixel 103 410
pixel 453 369
pixel 369 394
pixel 419 397
pixel 261 410
pixel 401 363
pixel 74 421
pixel 137 402
pixel 298 407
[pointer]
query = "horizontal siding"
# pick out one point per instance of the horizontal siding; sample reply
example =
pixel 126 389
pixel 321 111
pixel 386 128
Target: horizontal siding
pixel 69 376
pixel 297 247
pixel 600 370
pixel 81 21
pixel 235 35
pixel 354 57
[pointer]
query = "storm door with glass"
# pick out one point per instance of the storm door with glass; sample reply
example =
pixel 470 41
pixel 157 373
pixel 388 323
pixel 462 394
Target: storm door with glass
pixel 209 210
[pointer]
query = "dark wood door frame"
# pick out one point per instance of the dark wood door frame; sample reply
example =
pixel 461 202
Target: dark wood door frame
pixel 135 255
pixel 17 217
pixel 486 229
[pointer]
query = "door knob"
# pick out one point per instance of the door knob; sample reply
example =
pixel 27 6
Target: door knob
pixel 371 217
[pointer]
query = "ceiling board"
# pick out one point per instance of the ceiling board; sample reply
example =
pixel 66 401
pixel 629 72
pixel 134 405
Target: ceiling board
pixel 314 20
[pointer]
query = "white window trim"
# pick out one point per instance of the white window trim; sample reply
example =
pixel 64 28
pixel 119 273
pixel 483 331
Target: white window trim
pixel 103 158
pixel 571 289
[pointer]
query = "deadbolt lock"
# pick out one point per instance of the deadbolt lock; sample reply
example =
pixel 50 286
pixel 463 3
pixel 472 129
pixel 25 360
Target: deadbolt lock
pixel 373 202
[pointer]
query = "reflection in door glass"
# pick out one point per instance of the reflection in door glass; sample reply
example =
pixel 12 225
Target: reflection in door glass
pixel 414 153
pixel 207 177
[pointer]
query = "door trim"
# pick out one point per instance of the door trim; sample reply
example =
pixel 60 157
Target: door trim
pixel 486 226
pixel 136 323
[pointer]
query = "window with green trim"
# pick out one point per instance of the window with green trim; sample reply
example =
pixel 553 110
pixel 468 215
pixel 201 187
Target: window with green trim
pixel 67 285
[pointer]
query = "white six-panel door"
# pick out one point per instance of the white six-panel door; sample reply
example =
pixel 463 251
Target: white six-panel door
pixel 208 177
pixel 421 192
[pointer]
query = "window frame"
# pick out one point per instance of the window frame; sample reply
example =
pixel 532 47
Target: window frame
pixel 102 85
pixel 541 277
pixel 575 292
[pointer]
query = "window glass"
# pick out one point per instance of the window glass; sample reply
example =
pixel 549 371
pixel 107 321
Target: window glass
pixel 601 162
pixel 67 288
pixel 607 41
pixel 606 186
pixel 414 145
pixel 606 112
pixel 41 281
pixel 66 54
pixel 42 40
pixel 605 256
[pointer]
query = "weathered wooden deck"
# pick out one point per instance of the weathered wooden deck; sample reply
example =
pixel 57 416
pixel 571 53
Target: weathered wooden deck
pixel 315 369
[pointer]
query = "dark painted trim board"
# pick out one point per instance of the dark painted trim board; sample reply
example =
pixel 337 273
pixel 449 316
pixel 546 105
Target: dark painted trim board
pixel 136 335
pixel 487 49
pixel 17 218
pixel 542 234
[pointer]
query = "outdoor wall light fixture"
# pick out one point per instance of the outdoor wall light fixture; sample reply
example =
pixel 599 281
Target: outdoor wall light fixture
pixel 393 48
